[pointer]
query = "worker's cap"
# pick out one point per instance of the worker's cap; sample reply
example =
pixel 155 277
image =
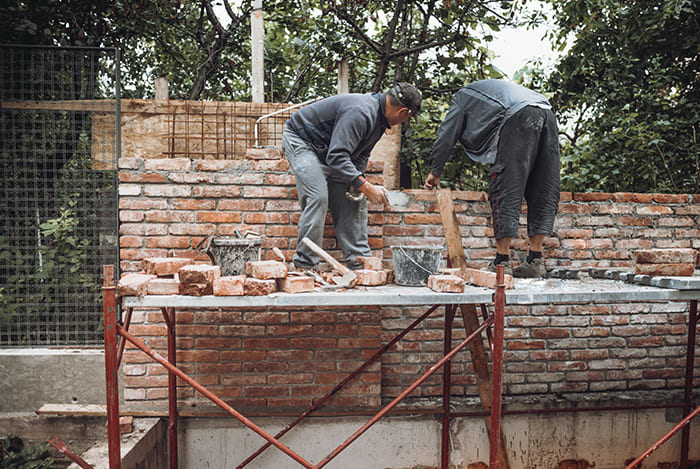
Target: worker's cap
pixel 409 97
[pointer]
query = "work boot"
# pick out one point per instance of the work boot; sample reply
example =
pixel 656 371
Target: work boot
pixel 532 269
pixel 508 270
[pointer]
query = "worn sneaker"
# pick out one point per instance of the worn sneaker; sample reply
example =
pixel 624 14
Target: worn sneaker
pixel 492 268
pixel 534 269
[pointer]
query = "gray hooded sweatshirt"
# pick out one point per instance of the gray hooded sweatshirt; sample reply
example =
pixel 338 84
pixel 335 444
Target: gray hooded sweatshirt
pixel 343 129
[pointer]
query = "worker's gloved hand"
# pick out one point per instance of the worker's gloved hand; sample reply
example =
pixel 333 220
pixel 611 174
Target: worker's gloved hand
pixel 432 181
pixel 376 194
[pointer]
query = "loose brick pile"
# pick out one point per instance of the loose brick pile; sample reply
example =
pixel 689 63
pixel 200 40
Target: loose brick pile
pixel 183 276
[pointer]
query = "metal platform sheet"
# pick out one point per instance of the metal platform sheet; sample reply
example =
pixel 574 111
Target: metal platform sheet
pixel 526 291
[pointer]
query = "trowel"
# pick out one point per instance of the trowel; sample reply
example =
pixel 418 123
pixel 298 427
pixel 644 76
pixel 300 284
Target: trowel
pixel 397 199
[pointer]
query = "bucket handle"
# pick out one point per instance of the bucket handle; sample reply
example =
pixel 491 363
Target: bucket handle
pixel 203 248
pixel 416 263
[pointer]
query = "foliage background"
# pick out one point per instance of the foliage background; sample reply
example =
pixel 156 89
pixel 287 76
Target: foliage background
pixel 626 88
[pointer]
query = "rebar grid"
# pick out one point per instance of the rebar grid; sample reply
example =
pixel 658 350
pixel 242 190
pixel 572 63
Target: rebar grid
pixel 58 153
pixel 220 130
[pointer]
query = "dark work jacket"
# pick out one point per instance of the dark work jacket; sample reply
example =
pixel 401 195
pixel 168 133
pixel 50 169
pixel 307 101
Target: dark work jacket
pixel 475 118
pixel 343 129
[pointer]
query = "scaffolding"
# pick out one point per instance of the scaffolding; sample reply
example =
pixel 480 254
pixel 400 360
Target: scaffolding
pixel 386 296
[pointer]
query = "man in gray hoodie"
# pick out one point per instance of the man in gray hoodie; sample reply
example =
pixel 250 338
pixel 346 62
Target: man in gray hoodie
pixel 328 144
pixel 514 130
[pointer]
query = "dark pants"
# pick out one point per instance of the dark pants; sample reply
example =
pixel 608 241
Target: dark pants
pixel 527 165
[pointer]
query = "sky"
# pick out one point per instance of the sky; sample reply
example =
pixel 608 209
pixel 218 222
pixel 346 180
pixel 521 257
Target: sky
pixel 513 48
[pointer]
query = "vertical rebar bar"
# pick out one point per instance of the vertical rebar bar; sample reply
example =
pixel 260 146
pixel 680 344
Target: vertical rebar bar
pixel 688 391
pixel 446 386
pixel 499 299
pixel 111 369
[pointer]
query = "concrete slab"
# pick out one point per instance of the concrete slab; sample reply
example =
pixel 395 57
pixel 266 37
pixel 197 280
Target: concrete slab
pixel 33 377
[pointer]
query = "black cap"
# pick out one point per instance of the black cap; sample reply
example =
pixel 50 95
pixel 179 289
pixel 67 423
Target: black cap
pixel 409 96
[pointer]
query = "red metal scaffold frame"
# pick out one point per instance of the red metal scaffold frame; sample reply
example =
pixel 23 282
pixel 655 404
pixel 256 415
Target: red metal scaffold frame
pixel 114 350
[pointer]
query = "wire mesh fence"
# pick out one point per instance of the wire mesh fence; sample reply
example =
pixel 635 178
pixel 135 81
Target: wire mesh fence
pixel 58 220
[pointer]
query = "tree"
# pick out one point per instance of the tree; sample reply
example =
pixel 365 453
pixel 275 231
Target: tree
pixel 439 45
pixel 628 91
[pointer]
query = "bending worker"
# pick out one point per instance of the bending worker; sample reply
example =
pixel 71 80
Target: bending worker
pixel 328 144
pixel 514 130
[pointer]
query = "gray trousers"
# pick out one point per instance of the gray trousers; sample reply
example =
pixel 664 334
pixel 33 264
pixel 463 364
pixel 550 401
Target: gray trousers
pixel 318 193
pixel 527 166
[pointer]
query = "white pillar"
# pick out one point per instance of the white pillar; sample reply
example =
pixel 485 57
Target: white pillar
pixel 343 70
pixel 161 88
pixel 257 35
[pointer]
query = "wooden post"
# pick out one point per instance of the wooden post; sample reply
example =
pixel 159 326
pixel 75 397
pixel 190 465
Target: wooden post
pixel 257 34
pixel 455 253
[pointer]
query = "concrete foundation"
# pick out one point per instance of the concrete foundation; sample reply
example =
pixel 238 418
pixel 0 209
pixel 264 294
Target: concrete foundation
pixel 30 378
pixel 605 439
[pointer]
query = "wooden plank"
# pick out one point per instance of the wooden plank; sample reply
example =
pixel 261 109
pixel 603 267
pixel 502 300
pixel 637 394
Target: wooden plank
pixel 457 258
pixel 450 225
pixel 73 409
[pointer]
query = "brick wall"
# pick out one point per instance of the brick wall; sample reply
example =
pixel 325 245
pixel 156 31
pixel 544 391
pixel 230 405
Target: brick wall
pixel 274 360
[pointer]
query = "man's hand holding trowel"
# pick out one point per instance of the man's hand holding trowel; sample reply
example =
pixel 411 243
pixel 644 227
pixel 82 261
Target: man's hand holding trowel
pixel 376 194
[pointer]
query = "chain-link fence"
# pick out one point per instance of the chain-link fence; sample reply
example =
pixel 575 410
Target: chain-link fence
pixel 59 145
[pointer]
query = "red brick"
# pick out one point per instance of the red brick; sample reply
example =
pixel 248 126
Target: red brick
pixel 371 277
pixel 134 284
pixel 671 270
pixel 370 263
pixel 263 154
pixel 485 279
pixel 199 274
pixel 592 196
pixel 229 285
pixel 665 256
pixel 259 287
pixel 164 286
pixel 164 266
pixel 265 270
pixel 195 289
pixel 295 284
pixel 446 283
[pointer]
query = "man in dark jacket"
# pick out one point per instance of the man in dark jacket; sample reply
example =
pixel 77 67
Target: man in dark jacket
pixel 328 144
pixel 514 130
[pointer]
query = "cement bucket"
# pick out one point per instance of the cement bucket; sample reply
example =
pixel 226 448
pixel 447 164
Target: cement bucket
pixel 231 254
pixel 414 264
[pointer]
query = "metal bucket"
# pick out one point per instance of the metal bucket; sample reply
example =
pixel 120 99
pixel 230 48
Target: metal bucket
pixel 414 264
pixel 231 254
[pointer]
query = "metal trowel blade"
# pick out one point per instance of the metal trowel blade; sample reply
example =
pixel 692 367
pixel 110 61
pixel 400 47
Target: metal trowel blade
pixel 399 199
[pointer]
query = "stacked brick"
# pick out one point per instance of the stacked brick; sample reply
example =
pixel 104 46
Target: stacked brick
pixel 665 262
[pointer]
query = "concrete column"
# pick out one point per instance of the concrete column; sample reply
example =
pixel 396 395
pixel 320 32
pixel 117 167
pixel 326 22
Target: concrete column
pixel 257 35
